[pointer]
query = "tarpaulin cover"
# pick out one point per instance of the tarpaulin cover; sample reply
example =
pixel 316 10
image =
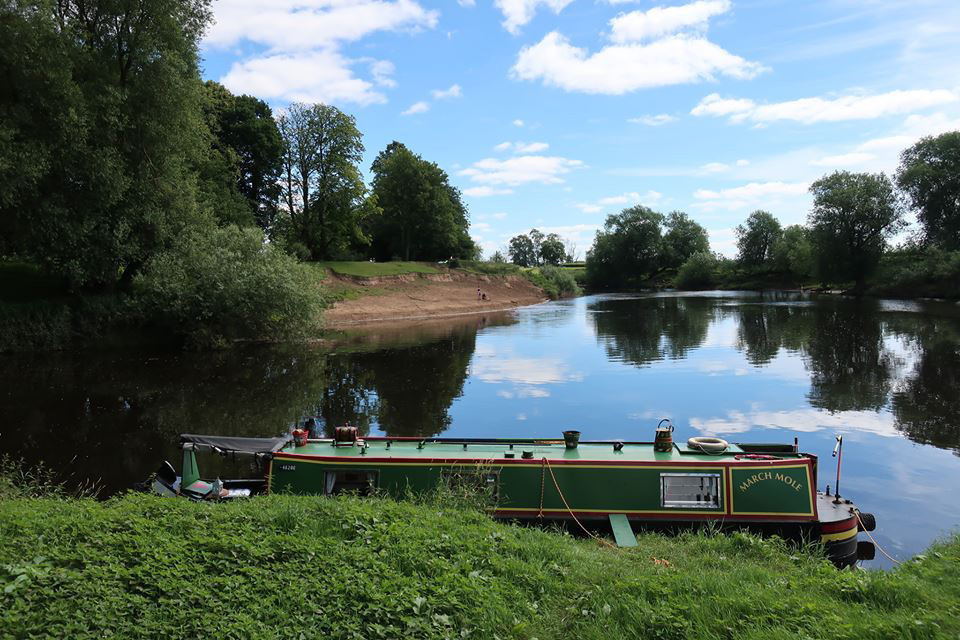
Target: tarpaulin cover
pixel 239 445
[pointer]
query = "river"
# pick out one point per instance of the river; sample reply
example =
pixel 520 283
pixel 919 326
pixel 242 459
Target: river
pixel 743 366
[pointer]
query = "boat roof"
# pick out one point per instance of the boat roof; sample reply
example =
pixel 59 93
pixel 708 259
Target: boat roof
pixel 494 449
pixel 235 444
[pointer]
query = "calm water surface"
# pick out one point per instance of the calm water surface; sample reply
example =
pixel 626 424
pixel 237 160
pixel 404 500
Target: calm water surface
pixel 746 367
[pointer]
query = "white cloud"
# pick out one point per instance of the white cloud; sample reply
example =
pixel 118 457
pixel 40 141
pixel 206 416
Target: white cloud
pixel 517 13
pixel 661 21
pixel 812 110
pixel 319 76
pixel 742 162
pixel 753 191
pixel 521 170
pixel 715 167
pixel 302 40
pixel 843 160
pixel 618 69
pixel 452 92
pixel 467 3
pixel 629 199
pixel 485 192
pixel 522 147
pixel 416 107
pixel 653 121
pixel 518 123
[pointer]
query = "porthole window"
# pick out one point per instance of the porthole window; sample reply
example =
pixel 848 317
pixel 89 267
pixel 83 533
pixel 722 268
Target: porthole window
pixel 690 490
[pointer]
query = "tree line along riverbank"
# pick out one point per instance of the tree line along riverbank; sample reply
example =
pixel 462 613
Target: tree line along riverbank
pixel 140 566
pixel 38 311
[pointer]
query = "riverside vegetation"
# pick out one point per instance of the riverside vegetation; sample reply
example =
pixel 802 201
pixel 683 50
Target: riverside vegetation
pixel 140 566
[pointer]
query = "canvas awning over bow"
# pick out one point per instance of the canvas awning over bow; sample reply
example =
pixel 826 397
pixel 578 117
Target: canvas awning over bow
pixel 236 445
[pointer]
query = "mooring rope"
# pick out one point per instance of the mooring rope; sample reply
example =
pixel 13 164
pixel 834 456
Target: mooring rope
pixel 546 464
pixel 872 539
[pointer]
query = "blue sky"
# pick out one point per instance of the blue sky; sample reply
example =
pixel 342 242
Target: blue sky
pixel 555 113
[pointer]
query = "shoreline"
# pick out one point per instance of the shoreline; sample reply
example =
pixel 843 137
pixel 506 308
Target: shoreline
pixel 405 299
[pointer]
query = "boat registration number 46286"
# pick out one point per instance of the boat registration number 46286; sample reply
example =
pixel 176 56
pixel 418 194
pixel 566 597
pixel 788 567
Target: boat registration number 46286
pixel 288 467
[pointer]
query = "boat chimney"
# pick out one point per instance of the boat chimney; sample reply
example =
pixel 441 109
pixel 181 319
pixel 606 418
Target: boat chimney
pixel 571 438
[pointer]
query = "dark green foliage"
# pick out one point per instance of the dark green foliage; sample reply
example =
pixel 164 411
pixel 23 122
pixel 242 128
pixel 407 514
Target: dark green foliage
pixel 555 282
pixel 698 272
pixel 793 253
pixel 929 175
pixel 423 215
pixel 324 199
pixel 225 284
pixel 853 215
pixel 756 241
pixel 917 272
pixel 100 132
pixel 243 167
pixel 628 251
pixel 296 567
pixel 522 252
pixel 552 250
pixel 683 239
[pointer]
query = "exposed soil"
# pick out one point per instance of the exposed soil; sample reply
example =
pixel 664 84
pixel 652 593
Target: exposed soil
pixel 411 297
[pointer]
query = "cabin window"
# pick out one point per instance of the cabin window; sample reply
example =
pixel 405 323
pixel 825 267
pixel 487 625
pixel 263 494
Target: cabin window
pixel 485 483
pixel 359 482
pixel 690 490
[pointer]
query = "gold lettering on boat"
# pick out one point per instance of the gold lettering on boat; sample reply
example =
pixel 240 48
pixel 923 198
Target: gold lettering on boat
pixel 791 482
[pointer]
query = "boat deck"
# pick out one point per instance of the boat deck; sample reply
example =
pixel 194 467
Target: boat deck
pixel 552 450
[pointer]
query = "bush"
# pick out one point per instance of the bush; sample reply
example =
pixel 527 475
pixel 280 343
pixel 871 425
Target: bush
pixel 227 284
pixel 698 272
pixel 917 272
pixel 554 281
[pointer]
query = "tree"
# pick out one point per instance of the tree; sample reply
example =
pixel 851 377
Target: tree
pixel 100 132
pixel 853 214
pixel 497 257
pixel 323 193
pixel 793 253
pixel 521 251
pixel 929 175
pixel 683 239
pixel 552 250
pixel 536 239
pixel 756 240
pixel 245 126
pixel 628 250
pixel 424 217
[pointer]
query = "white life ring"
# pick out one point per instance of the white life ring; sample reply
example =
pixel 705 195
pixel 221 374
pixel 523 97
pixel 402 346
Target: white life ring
pixel 709 445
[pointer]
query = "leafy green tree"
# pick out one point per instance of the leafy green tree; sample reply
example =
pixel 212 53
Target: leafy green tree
pixel 628 250
pixel 793 253
pixel 683 239
pixel 424 217
pixel 756 240
pixel 497 257
pixel 552 250
pixel 245 127
pixel 323 194
pixel 929 175
pixel 218 171
pixel 522 251
pixel 536 239
pixel 101 132
pixel 698 272
pixel 219 284
pixel 853 215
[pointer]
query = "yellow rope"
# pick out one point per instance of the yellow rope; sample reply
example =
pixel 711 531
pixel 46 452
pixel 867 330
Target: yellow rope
pixel 570 511
pixel 872 539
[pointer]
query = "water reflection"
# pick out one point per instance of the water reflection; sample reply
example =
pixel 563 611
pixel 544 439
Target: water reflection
pixel 645 330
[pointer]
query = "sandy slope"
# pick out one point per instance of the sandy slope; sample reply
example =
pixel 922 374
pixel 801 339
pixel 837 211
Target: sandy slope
pixel 426 296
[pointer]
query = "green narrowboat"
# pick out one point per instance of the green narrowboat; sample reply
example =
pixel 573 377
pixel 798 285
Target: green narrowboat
pixel 770 488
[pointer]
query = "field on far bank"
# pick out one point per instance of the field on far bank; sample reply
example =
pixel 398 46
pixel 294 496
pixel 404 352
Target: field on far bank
pixel 140 566
pixel 367 269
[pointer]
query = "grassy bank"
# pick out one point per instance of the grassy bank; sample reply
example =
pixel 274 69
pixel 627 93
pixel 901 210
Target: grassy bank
pixel 144 567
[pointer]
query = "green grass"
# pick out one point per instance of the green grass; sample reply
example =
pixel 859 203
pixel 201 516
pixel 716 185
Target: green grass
pixel 364 269
pixel 140 566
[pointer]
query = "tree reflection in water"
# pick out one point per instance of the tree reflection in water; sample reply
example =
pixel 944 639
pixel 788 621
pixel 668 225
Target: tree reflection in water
pixel 848 346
